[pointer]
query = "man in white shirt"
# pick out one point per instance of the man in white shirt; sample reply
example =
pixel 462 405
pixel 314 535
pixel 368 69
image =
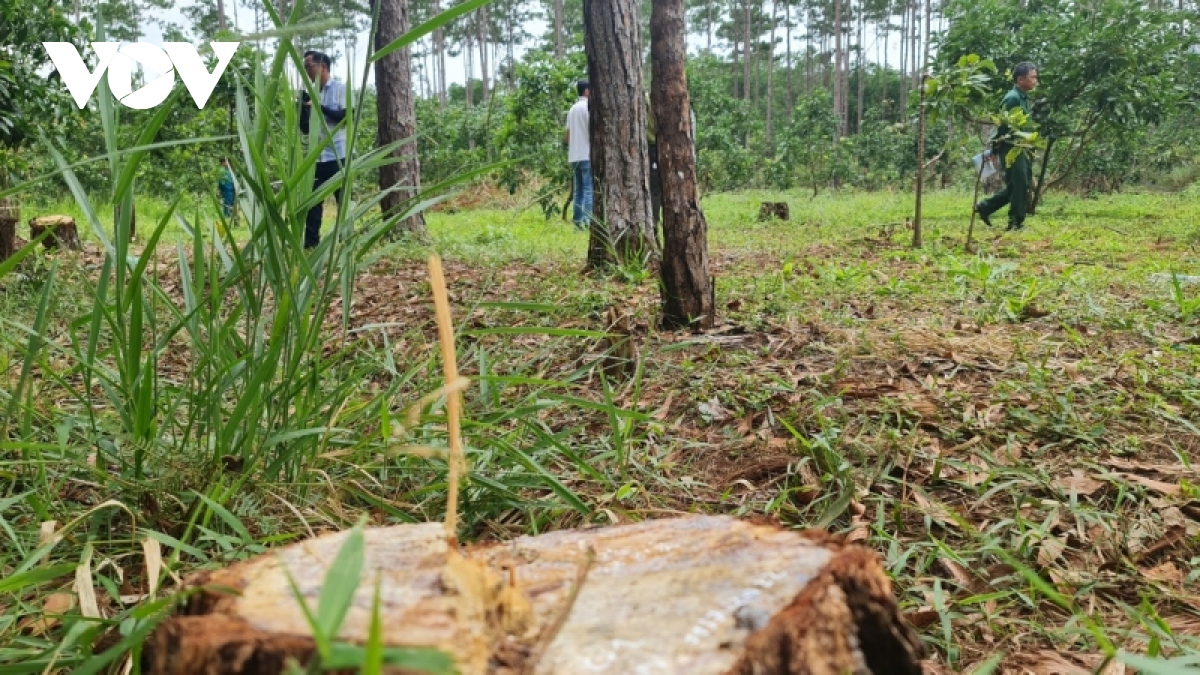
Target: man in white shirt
pixel 579 154
pixel 333 108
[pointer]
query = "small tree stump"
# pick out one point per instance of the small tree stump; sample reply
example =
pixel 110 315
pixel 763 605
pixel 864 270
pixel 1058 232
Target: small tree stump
pixel 698 595
pixel 8 237
pixel 64 233
pixel 773 210
pixel 10 213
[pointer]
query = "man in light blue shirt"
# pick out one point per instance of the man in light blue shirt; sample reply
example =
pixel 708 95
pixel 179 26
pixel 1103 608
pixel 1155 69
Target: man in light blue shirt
pixel 333 108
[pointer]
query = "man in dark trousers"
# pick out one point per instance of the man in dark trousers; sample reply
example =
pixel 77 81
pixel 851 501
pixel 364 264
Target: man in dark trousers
pixel 1019 176
pixel 333 107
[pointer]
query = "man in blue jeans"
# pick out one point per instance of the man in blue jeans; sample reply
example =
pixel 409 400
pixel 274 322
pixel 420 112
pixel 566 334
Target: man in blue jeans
pixel 579 154
pixel 333 107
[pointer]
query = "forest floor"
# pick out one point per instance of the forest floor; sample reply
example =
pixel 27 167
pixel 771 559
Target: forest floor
pixel 1011 431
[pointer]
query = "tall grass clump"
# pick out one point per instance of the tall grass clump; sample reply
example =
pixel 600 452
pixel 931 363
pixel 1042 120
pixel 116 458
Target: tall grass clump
pixel 189 401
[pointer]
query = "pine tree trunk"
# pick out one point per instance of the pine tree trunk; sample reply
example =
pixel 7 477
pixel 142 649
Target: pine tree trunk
pixel 862 72
pixel 883 72
pixel 559 46
pixel 791 98
pixel 481 34
pixel 770 77
pixel 808 66
pixel 916 44
pixel 397 117
pixel 903 102
pixel 469 61
pixel 687 287
pixel 748 53
pixel 623 226
pixel 734 78
pixel 839 94
pixel 439 46
pixel 921 135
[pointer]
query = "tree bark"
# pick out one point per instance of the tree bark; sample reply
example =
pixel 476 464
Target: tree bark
pixel 749 51
pixel 702 595
pixel 481 30
pixel 791 98
pixel 734 77
pixel 903 100
pixel 770 77
pixel 839 93
pixel 862 73
pixel 623 226
pixel 63 232
pixel 10 213
pixel 687 294
pixel 921 137
pixel 397 118
pixel 469 60
pixel 439 46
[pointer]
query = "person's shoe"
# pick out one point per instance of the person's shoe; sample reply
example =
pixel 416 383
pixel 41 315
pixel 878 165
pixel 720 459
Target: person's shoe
pixel 987 219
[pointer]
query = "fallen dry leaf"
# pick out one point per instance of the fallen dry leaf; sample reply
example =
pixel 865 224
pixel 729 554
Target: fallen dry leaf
pixel 1046 662
pixel 1169 540
pixel 1079 483
pixel 923 617
pixel 977 472
pixel 713 410
pixel 1166 573
pixel 1151 484
pixel 958 572
pixel 55 604
pixel 1050 550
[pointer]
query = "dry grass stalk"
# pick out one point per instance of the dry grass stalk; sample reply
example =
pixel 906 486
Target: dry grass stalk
pixel 453 406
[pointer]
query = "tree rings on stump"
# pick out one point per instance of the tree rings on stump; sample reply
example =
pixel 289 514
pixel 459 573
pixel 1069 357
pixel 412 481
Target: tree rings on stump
pixel 696 595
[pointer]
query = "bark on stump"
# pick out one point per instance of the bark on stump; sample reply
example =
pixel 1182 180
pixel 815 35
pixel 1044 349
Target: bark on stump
pixel 8 237
pixel 773 210
pixel 63 232
pixel 10 213
pixel 695 595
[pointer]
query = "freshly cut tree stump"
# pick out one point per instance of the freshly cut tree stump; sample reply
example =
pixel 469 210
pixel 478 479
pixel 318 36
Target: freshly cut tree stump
pixel 694 595
pixel 64 233
pixel 773 210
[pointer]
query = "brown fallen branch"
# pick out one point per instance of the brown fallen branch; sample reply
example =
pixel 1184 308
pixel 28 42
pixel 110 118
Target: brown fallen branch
pixel 694 595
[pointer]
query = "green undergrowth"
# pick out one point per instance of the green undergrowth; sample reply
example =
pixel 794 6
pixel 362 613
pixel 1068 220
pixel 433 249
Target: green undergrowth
pixel 1011 430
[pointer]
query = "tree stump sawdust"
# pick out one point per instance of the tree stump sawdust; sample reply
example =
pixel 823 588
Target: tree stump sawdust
pixel 773 211
pixel 693 595
pixel 64 232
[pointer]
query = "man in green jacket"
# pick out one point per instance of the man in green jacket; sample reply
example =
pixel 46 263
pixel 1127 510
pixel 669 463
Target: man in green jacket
pixel 1019 176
